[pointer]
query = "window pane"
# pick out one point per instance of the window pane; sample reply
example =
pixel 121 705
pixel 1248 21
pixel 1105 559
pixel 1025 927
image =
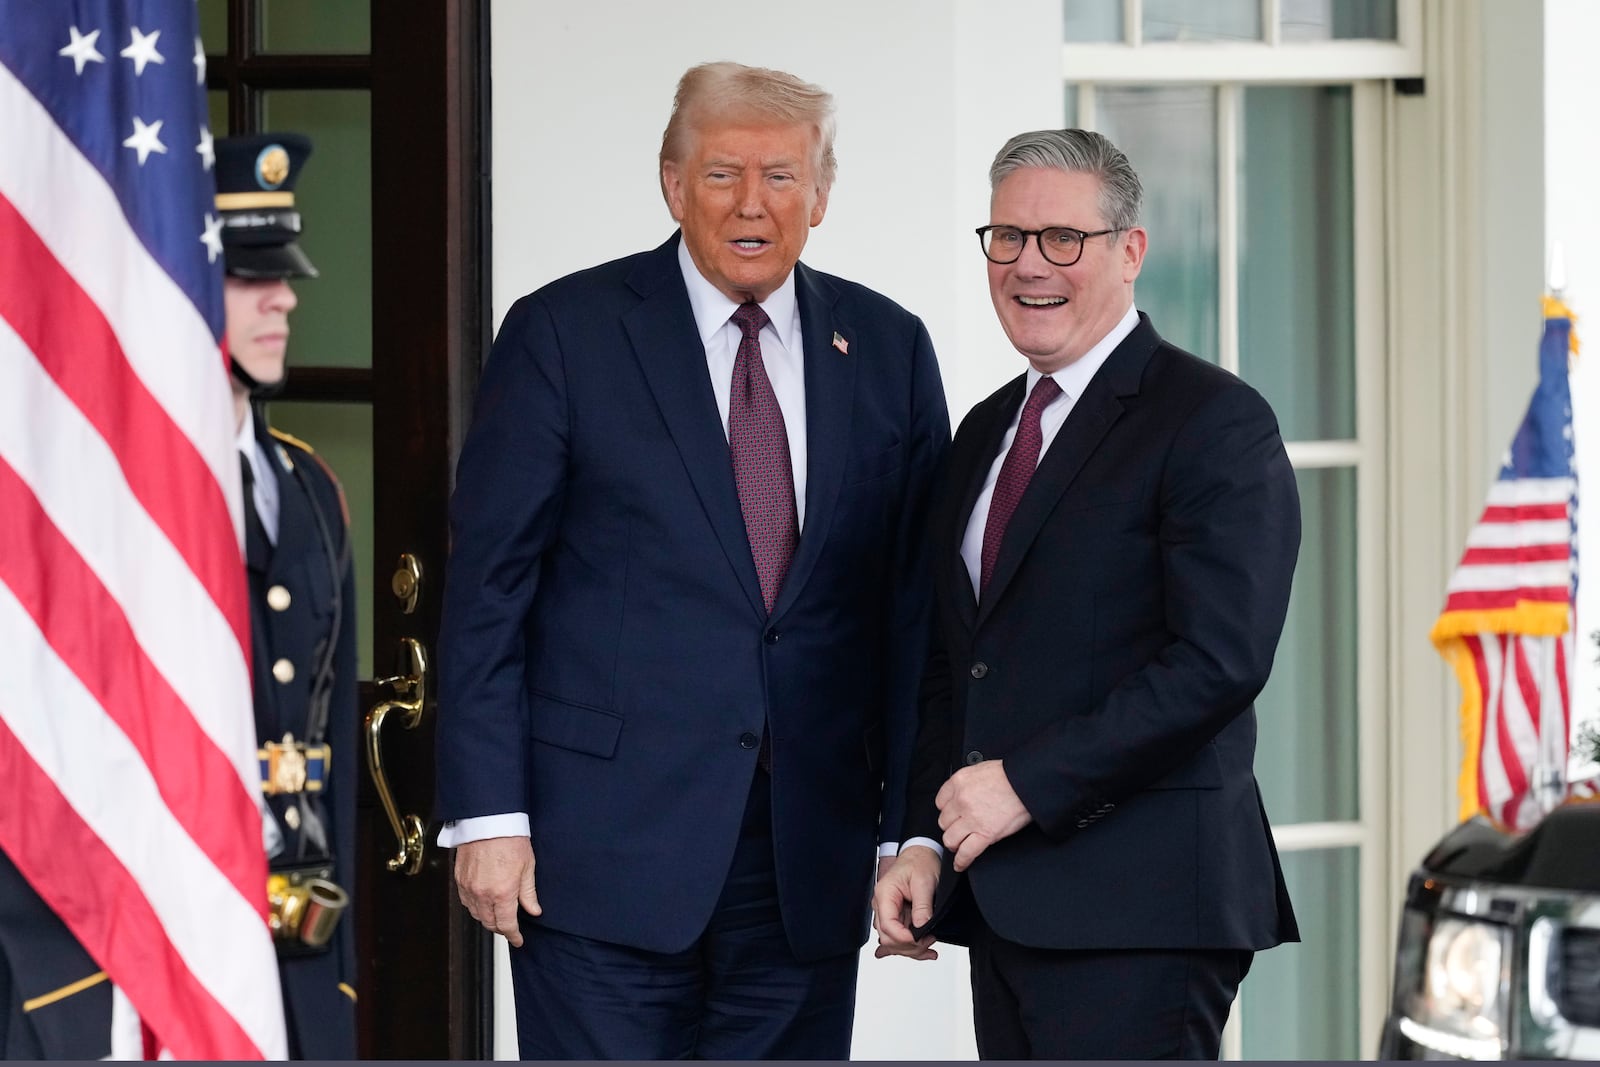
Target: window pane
pixel 214 26
pixel 217 112
pixel 1092 20
pixel 333 324
pixel 1308 731
pixel 1072 105
pixel 1296 257
pixel 1301 1002
pixel 340 28
pixel 1170 137
pixel 1338 20
pixel 1215 20
pixel 342 435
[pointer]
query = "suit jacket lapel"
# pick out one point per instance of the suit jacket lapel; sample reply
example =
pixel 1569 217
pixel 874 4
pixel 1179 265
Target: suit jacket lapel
pixel 1092 416
pixel 968 478
pixel 667 344
pixel 830 395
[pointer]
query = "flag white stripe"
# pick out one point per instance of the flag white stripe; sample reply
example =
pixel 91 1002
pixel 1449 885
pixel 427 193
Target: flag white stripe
pixel 154 321
pixel 1523 491
pixel 1519 534
pixel 118 799
pixel 1497 788
pixel 1480 577
pixel 80 485
pixel 1520 719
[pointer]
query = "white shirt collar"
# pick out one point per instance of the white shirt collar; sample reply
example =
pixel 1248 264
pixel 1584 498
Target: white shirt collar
pixel 1074 377
pixel 712 308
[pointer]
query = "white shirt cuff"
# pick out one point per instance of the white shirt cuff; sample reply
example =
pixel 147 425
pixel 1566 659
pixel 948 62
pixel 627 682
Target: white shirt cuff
pixel 888 848
pixel 483 827
pixel 925 842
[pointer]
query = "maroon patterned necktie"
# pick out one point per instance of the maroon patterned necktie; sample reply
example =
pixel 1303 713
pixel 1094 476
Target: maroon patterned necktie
pixel 762 472
pixel 1014 474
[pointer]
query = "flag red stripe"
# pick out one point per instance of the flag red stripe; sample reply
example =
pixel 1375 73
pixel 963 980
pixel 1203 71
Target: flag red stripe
pixel 1523 554
pixel 88 630
pixel 1516 513
pixel 1565 707
pixel 1485 599
pixel 75 344
pixel 106 910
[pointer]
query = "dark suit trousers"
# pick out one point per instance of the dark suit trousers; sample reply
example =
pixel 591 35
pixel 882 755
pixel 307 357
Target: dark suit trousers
pixel 737 993
pixel 1054 1004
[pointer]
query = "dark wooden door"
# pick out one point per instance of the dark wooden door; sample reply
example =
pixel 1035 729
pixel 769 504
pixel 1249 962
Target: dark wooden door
pixel 384 356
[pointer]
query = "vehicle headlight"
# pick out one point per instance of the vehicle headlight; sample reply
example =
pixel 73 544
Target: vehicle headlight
pixel 1460 1007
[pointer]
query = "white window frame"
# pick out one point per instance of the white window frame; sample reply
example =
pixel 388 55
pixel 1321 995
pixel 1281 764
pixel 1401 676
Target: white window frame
pixel 1268 60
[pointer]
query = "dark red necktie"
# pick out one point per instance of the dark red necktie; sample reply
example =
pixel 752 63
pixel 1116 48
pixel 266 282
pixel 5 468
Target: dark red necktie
pixel 762 472
pixel 1014 474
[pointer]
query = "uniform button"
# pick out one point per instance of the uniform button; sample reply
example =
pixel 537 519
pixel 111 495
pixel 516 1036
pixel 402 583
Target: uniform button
pixel 772 637
pixel 748 740
pixel 278 598
pixel 980 669
pixel 283 671
pixel 974 758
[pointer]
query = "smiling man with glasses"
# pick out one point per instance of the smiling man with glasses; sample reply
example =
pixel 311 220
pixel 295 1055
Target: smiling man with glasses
pixel 1113 549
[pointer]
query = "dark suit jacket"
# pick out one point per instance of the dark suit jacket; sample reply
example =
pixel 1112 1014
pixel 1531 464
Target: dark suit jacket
pixel 314 630
pixel 607 663
pixel 1131 620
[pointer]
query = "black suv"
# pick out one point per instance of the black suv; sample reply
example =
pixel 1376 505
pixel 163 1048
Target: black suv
pixel 1499 947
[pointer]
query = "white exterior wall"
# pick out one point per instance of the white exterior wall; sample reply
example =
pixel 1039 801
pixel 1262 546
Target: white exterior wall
pixel 1572 220
pixel 581 94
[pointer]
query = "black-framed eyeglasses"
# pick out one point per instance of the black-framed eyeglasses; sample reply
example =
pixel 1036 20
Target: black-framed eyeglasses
pixel 1061 245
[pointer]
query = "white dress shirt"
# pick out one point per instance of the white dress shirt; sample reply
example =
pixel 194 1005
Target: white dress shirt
pixel 1073 380
pixel 783 356
pixel 266 481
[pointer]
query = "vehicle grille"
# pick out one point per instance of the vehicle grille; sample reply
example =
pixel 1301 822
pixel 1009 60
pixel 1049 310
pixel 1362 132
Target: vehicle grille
pixel 1578 986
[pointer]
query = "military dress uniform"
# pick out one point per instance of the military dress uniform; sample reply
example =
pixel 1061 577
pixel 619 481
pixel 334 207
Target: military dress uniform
pixel 302 628
pixel 55 1001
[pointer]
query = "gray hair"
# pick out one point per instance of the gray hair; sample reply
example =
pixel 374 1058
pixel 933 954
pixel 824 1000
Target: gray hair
pixel 1077 151
pixel 730 92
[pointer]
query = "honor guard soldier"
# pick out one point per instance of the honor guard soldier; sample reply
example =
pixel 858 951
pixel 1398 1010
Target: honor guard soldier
pixel 302 606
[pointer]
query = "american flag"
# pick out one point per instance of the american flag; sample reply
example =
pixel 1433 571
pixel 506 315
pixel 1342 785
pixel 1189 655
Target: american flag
pixel 127 742
pixel 1507 626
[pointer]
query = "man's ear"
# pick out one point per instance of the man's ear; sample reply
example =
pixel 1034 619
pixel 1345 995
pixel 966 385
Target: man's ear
pixel 1133 250
pixel 672 186
pixel 820 208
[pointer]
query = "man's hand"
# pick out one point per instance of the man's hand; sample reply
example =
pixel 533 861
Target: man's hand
pixel 903 899
pixel 978 807
pixel 493 876
pixel 884 863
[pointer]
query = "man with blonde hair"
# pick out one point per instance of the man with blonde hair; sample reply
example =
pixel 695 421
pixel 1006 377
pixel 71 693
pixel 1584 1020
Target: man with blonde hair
pixel 686 611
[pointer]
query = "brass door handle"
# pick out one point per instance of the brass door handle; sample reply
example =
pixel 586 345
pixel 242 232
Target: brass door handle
pixel 409 690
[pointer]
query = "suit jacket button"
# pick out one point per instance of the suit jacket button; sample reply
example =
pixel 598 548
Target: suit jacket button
pixel 980 669
pixel 283 671
pixel 748 740
pixel 772 637
pixel 974 758
pixel 278 598
pixel 1083 824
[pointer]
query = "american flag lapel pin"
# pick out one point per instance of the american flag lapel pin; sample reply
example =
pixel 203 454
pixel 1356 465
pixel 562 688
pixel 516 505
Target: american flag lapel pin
pixel 840 343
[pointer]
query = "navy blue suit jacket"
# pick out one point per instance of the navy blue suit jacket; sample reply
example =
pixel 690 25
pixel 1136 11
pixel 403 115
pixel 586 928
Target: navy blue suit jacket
pixel 606 659
pixel 1113 662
